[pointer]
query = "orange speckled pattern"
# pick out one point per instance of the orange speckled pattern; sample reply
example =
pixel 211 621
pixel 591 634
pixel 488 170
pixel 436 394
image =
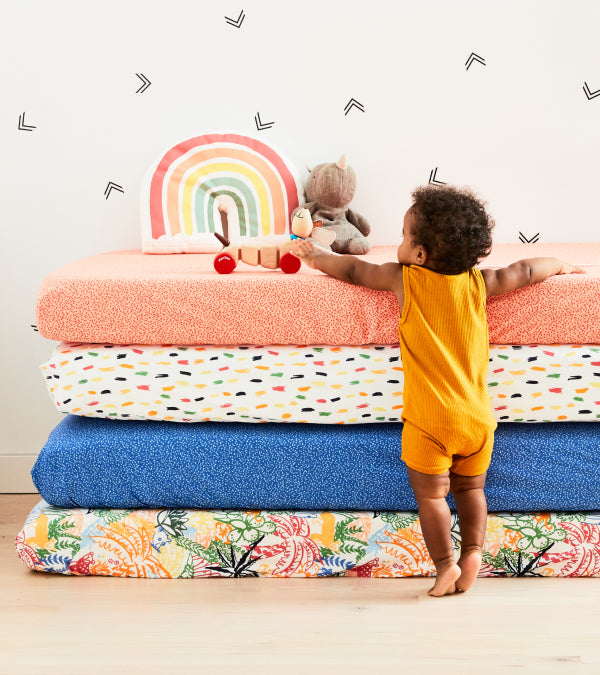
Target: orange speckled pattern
pixel 126 297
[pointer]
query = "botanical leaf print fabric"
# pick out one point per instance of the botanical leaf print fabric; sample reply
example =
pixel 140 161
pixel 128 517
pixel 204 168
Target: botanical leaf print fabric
pixel 311 384
pixel 183 543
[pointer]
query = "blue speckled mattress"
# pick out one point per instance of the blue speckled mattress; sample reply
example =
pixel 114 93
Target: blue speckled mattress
pixel 98 463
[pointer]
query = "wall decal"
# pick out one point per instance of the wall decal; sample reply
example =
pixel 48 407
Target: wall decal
pixel 236 22
pixel 23 126
pixel 353 103
pixel 113 186
pixel 432 178
pixel 145 85
pixel 533 239
pixel 590 94
pixel 474 57
pixel 260 125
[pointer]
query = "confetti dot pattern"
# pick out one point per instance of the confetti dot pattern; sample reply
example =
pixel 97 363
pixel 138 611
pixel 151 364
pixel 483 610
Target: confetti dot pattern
pixel 305 384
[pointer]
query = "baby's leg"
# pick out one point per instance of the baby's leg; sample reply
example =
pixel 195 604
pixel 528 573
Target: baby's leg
pixel 434 516
pixel 471 507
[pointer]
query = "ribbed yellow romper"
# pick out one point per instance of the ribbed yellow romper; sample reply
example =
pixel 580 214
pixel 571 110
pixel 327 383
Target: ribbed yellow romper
pixel 444 343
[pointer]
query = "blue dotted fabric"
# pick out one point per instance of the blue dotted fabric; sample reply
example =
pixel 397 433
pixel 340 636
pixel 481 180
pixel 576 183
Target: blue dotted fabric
pixel 99 463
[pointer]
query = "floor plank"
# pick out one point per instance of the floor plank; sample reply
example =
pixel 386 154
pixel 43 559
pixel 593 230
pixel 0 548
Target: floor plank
pixel 81 625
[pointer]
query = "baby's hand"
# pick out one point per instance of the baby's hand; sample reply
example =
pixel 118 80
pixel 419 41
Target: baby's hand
pixel 306 251
pixel 567 268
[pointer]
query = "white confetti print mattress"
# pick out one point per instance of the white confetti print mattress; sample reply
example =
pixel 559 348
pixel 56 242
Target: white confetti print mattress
pixel 313 384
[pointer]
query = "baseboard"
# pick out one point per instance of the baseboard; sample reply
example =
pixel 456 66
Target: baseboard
pixel 15 473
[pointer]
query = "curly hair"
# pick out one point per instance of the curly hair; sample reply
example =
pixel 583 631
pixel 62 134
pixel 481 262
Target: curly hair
pixel 452 225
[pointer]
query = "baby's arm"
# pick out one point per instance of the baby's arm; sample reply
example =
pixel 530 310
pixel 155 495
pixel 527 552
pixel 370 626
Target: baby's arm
pixel 525 272
pixel 386 277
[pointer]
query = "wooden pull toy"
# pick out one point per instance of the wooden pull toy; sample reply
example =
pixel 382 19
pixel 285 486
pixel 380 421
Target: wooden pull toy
pixel 272 255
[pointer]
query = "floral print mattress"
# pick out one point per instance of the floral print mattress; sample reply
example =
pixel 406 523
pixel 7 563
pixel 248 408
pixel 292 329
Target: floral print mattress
pixel 126 297
pixel 183 543
pixel 313 384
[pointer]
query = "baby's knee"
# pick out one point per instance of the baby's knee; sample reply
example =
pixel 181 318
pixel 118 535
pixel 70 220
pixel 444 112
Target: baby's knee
pixel 429 486
pixel 460 483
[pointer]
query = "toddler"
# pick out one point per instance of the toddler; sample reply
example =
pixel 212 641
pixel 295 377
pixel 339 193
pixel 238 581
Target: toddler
pixel 448 426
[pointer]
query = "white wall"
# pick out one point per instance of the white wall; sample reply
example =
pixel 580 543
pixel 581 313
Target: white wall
pixel 520 129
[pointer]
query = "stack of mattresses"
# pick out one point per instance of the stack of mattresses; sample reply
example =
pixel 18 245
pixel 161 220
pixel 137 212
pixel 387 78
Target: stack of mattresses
pixel 249 424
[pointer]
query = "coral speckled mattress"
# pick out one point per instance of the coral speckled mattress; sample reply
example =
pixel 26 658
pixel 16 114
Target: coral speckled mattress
pixel 127 297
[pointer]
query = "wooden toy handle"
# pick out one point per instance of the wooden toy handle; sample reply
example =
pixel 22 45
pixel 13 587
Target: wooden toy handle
pixel 222 239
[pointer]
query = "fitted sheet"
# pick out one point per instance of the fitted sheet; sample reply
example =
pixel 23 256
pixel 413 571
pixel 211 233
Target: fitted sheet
pixel 100 463
pixel 126 297
pixel 312 384
pixel 171 544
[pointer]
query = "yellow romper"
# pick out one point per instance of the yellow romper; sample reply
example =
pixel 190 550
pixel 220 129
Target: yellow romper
pixel 444 344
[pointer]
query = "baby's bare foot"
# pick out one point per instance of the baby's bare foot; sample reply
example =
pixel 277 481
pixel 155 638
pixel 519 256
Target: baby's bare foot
pixel 469 564
pixel 445 581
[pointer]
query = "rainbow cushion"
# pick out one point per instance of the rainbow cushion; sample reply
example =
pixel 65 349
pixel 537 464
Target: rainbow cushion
pixel 192 183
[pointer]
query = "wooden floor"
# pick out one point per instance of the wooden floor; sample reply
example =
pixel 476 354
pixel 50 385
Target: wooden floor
pixel 80 625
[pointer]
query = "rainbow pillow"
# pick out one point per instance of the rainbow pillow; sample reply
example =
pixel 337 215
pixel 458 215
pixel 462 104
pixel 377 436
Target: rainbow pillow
pixel 227 183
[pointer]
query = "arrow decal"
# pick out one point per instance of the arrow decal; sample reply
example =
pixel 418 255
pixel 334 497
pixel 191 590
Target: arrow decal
pixel 113 186
pixel 23 126
pixel 432 178
pixel 590 94
pixel 533 239
pixel 259 125
pixel 474 57
pixel 353 103
pixel 236 22
pixel 146 83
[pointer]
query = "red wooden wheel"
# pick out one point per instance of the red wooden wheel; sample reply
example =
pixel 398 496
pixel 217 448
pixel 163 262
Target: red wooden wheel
pixel 289 263
pixel 224 263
